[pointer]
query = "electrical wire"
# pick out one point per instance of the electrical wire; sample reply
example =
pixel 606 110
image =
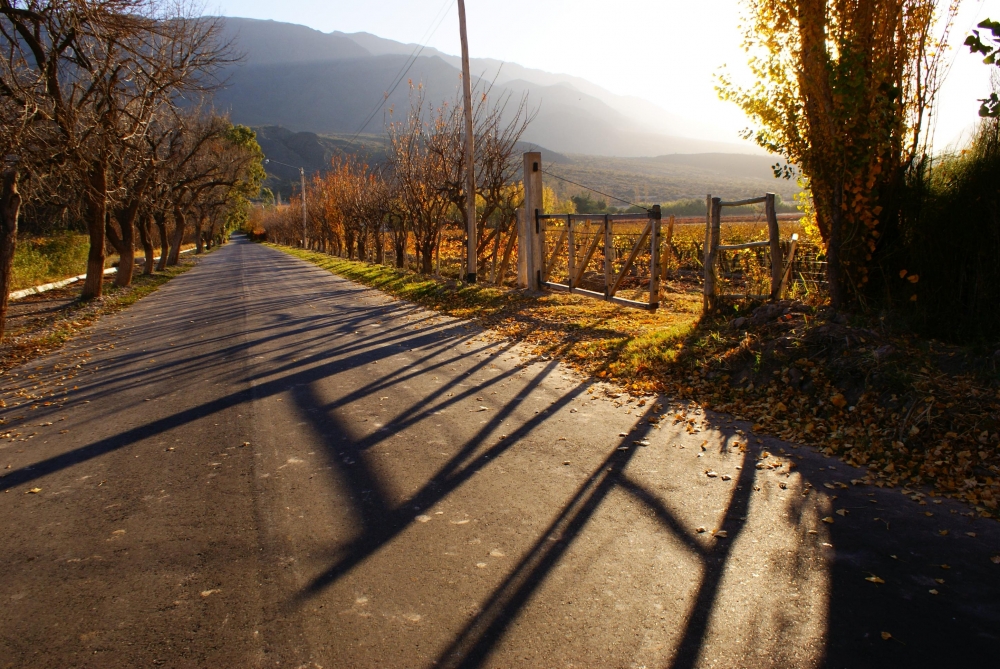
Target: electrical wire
pixel 410 61
pixel 594 190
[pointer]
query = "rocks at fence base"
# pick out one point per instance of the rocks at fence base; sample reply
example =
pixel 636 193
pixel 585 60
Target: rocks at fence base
pixel 766 313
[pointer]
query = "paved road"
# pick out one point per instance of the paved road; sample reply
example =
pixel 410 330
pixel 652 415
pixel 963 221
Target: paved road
pixel 263 465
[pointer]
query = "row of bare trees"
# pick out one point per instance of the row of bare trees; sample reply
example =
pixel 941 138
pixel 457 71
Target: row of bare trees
pixel 102 125
pixel 356 210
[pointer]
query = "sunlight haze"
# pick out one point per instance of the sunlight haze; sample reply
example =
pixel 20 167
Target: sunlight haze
pixel 667 52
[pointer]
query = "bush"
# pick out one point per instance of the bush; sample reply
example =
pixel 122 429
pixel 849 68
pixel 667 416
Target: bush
pixel 45 259
pixel 948 277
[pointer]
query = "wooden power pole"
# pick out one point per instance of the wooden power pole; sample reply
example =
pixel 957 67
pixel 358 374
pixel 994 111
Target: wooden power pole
pixel 305 227
pixel 470 153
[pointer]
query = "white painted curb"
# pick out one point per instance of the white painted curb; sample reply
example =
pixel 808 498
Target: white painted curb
pixel 35 290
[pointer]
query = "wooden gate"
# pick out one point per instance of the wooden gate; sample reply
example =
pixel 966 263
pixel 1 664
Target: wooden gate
pixel 779 270
pixel 612 257
pixel 600 255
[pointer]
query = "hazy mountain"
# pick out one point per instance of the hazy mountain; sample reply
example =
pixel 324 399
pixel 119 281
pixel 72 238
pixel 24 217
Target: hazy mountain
pixel 331 83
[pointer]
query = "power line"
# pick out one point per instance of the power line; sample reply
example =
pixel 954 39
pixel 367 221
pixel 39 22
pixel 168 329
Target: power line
pixel 410 61
pixel 594 190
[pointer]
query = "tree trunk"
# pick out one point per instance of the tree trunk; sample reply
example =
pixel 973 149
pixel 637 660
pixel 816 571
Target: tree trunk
pixel 10 207
pixel 427 258
pixel 97 207
pixel 161 226
pixel 175 245
pixel 126 252
pixel 349 240
pixel 380 247
pixel 145 238
pixel 399 245
pixel 198 241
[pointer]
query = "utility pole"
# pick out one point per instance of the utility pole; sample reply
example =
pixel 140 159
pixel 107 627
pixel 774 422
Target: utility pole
pixel 302 174
pixel 470 153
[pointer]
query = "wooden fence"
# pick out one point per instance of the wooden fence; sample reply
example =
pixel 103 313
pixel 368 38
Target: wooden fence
pixel 780 269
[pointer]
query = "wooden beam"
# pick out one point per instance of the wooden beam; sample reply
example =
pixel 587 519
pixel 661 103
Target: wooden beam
pixel 587 258
pixel 774 233
pixel 555 253
pixel 631 258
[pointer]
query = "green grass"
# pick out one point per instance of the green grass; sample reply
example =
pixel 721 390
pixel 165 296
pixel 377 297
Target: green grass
pixel 46 259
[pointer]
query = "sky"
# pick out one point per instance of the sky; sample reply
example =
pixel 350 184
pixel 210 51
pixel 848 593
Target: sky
pixel 665 51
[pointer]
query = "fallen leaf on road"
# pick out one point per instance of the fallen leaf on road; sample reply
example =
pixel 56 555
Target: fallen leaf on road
pixel 711 475
pixel 782 485
pixel 828 520
pixel 928 514
pixel 422 518
pixel 933 591
pixel 995 559
pixel 726 477
pixel 874 579
pixel 33 491
pixel 700 530
pixel 971 534
pixel 943 533
pixel 481 565
pixel 939 581
pixel 208 593
pixel 245 444
pixel 497 553
pixel 721 533
pixel 886 636
pixel 944 566
pixel 841 512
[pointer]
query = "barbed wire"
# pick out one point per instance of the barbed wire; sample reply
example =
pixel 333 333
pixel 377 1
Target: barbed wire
pixel 594 190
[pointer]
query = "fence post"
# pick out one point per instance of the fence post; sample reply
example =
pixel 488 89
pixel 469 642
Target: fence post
pixel 711 251
pixel 786 273
pixel 608 249
pixel 654 258
pixel 532 240
pixel 667 252
pixel 774 236
pixel 522 249
pixel 709 278
pixel 570 251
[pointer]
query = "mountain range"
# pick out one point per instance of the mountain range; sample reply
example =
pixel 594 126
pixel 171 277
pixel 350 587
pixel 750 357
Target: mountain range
pixel 311 95
pixel 333 83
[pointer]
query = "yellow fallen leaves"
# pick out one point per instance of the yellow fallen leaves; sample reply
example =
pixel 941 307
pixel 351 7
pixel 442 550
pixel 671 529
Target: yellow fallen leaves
pixel 838 401
pixel 841 512
pixel 886 636
pixel 874 579
pixel 33 491
pixel 828 520
pixel 995 559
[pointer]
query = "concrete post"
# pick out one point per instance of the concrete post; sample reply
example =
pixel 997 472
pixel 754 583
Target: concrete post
pixel 530 237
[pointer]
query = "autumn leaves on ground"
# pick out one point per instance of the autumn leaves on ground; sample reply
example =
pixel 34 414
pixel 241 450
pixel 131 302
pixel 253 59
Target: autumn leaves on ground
pixel 915 412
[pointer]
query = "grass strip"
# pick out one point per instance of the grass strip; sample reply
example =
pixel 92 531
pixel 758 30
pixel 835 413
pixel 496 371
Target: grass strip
pixel 22 346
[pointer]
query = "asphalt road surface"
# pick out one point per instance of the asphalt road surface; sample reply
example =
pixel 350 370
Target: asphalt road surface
pixel 264 465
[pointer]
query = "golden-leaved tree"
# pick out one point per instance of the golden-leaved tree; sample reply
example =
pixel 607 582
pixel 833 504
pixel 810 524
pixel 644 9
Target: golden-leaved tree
pixel 843 90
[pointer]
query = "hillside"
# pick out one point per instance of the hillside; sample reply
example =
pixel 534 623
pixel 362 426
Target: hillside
pixel 327 83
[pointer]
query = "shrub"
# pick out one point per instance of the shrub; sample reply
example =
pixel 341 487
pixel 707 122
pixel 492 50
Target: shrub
pixel 948 274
